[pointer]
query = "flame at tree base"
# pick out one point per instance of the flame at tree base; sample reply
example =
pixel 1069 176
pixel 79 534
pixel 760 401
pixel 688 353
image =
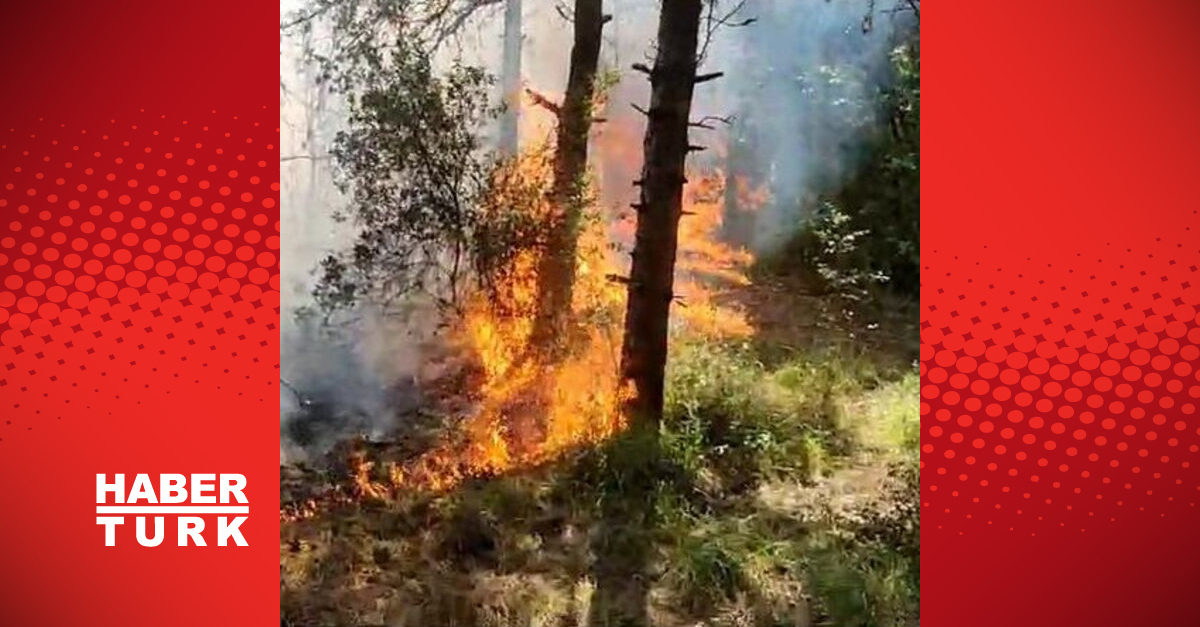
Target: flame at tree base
pixel 533 408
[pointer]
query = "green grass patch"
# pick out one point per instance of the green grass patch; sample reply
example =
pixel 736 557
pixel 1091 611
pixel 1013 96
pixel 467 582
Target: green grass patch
pixel 683 505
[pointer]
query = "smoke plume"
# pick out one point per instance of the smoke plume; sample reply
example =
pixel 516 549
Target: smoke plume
pixel 791 114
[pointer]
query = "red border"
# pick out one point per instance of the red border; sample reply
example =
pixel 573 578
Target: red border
pixel 139 243
pixel 1059 329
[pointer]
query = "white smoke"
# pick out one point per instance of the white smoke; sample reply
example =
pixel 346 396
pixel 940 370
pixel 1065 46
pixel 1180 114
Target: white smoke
pixel 353 374
pixel 790 81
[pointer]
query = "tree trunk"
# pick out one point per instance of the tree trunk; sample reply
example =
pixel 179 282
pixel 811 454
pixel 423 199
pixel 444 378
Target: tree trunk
pixel 651 279
pixel 556 274
pixel 510 78
pixel 624 545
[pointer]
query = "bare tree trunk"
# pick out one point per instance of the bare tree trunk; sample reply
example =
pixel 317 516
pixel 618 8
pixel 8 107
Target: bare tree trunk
pixel 672 81
pixel 557 269
pixel 510 78
pixel 624 545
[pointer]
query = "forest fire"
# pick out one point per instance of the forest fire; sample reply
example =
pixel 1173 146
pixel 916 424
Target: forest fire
pixel 532 408
pixel 577 396
pixel 544 357
pixel 705 265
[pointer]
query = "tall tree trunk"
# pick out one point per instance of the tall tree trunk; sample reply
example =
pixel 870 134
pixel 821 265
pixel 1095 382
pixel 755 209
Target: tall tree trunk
pixel 624 545
pixel 510 78
pixel 556 274
pixel 651 279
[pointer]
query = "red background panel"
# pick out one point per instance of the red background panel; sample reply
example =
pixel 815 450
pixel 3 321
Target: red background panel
pixel 92 58
pixel 139 303
pixel 1060 288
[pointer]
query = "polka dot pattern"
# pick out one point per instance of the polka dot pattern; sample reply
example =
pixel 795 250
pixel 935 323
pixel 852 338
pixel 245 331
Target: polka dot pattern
pixel 1060 397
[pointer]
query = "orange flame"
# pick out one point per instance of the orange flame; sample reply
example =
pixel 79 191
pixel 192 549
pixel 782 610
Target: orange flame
pixel 533 410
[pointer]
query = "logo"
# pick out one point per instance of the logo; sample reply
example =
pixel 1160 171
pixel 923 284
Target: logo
pixel 180 497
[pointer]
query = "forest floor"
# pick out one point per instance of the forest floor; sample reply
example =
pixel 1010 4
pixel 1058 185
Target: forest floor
pixel 790 501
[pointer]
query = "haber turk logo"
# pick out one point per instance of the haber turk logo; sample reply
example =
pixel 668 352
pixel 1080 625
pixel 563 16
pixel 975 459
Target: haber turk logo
pixel 183 498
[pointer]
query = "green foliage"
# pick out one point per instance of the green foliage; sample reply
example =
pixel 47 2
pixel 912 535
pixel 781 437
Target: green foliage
pixel 866 233
pixel 733 425
pixel 687 506
pixel 890 416
pixel 410 163
pixel 866 568
pixel 841 262
pixel 724 510
pixel 346 37
pixel 727 414
pixel 434 210
pixel 886 195
pixel 863 564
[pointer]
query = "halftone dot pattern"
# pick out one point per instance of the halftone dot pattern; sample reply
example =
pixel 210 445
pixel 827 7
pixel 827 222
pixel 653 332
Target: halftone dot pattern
pixel 1056 397
pixel 136 254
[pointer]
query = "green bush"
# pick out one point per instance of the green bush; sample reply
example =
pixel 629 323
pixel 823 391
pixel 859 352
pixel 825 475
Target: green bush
pixel 866 234
pixel 732 424
pixel 728 415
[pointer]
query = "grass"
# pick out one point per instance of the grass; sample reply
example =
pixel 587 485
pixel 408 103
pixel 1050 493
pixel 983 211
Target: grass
pixel 775 495
pixel 795 432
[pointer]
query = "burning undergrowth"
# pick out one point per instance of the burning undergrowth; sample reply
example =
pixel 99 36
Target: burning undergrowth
pixel 465 474
pixel 485 399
